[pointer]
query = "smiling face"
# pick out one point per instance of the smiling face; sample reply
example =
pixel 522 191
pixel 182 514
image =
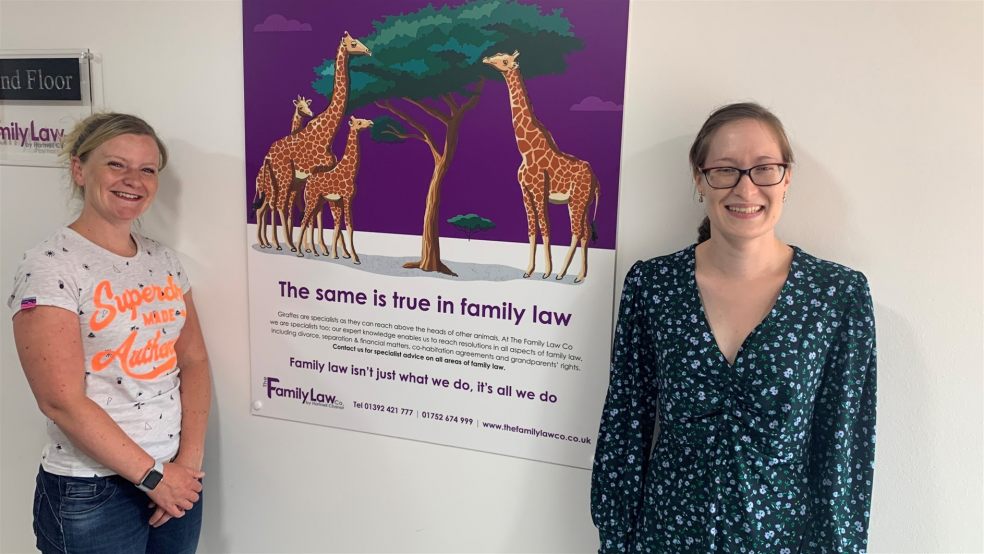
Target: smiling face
pixel 119 178
pixel 746 211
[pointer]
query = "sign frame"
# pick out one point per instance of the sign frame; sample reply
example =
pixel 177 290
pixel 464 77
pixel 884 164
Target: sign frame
pixel 31 129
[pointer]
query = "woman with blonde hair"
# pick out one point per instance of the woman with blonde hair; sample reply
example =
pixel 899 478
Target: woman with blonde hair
pixel 110 343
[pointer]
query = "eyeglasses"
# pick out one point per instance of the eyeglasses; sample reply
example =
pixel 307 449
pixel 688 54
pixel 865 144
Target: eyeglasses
pixel 764 175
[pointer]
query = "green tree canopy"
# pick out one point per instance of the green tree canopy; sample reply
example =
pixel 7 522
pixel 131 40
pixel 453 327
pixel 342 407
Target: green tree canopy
pixel 437 51
pixel 471 224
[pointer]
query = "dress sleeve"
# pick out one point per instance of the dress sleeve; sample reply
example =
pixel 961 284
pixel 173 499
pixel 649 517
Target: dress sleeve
pixel 842 445
pixel 627 423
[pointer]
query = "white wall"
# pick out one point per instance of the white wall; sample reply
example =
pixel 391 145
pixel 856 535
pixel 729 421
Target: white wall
pixel 883 102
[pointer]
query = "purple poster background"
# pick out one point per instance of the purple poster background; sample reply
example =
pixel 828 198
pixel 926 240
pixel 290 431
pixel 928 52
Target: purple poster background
pixel 394 178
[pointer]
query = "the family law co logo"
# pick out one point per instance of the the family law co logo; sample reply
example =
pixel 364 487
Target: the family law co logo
pixel 30 133
pixel 304 396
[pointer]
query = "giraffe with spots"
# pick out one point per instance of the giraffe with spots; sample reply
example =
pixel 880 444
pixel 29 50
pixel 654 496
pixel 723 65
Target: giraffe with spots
pixel 337 187
pixel 302 108
pixel 547 174
pixel 264 184
pixel 293 158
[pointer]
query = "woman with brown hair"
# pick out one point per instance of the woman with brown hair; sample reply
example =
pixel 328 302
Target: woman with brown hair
pixel 758 362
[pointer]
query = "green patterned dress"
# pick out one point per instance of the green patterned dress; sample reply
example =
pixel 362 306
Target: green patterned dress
pixel 773 454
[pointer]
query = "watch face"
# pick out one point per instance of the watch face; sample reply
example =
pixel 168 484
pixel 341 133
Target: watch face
pixel 152 479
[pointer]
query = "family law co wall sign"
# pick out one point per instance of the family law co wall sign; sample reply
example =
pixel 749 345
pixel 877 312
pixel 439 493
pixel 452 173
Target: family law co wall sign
pixel 42 95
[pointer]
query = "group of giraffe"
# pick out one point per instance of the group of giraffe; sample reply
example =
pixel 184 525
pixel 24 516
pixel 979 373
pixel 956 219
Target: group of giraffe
pixel 303 160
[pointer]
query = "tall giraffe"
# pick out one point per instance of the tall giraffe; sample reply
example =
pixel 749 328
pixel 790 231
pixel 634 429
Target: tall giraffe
pixel 547 175
pixel 264 185
pixel 292 158
pixel 337 186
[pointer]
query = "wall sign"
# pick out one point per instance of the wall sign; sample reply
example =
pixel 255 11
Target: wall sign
pixel 433 316
pixel 42 95
pixel 40 79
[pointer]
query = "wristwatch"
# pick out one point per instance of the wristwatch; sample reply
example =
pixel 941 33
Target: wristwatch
pixel 153 478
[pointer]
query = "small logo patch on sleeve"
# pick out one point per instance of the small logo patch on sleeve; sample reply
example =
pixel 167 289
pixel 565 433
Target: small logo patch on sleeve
pixel 29 302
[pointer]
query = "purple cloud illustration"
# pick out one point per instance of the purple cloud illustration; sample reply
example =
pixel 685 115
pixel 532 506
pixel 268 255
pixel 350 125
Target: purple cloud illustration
pixel 595 104
pixel 276 23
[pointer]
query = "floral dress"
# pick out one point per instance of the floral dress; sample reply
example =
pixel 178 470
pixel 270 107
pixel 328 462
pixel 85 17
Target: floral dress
pixel 771 454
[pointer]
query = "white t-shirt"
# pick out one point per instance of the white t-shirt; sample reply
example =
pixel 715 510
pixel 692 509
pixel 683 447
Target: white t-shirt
pixel 131 311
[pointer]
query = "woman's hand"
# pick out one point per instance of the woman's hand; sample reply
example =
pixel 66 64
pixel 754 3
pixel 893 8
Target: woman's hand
pixel 176 493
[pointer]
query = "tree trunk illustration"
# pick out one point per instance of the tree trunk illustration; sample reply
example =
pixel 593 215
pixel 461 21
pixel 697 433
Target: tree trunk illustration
pixel 430 239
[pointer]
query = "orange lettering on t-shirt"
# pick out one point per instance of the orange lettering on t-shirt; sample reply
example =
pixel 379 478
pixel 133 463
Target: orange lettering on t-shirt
pixel 152 352
pixel 128 300
pixel 159 316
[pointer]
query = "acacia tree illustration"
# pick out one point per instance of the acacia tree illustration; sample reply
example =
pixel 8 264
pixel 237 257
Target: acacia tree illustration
pixel 429 62
pixel 471 224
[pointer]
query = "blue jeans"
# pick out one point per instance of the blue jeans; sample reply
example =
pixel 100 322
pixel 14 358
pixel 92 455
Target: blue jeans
pixel 76 515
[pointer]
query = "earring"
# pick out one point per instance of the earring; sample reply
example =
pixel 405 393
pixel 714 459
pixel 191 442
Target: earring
pixel 783 197
pixel 701 197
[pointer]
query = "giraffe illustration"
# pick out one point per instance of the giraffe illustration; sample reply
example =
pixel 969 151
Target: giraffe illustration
pixel 337 187
pixel 302 107
pixel 264 184
pixel 547 175
pixel 292 158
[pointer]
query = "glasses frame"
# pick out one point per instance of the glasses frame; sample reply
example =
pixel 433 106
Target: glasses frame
pixel 742 173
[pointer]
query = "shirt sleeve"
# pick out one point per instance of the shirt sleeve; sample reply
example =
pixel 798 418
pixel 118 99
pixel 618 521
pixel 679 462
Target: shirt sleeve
pixel 627 423
pixel 842 444
pixel 43 281
pixel 177 270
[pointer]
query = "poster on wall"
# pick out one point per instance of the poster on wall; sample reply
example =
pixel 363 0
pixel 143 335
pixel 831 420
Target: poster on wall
pixel 43 93
pixel 432 192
